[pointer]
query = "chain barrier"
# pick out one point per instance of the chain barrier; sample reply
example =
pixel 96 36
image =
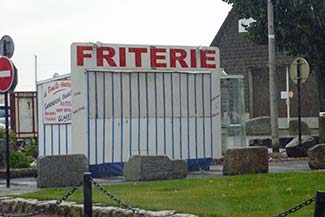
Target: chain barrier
pixel 47 209
pixel 120 202
pixel 69 193
pixel 296 208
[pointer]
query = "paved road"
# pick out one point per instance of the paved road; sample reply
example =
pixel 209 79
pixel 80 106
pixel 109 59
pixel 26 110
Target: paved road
pixel 25 185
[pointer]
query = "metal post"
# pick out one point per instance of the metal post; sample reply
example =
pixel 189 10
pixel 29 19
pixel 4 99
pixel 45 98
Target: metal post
pixel 320 204
pixel 88 209
pixel 7 142
pixel 288 97
pixel 7 127
pixel 272 78
pixel 299 100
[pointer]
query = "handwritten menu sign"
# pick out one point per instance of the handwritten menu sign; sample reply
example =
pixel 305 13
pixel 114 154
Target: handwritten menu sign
pixel 57 104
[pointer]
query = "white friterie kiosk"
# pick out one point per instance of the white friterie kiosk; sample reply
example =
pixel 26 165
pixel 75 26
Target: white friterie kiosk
pixel 145 100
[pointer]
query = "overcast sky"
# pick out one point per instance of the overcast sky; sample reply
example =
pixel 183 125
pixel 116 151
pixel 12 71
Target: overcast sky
pixel 47 28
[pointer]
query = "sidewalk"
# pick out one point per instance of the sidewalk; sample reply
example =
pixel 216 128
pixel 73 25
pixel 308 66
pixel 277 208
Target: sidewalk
pixel 26 185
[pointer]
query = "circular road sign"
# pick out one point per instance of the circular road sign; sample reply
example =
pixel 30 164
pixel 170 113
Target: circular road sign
pixel 304 70
pixel 7 46
pixel 6 74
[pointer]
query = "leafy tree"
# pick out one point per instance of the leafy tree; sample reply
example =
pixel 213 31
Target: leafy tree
pixel 299 31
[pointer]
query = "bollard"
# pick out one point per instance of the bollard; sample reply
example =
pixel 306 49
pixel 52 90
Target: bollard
pixel 88 209
pixel 320 204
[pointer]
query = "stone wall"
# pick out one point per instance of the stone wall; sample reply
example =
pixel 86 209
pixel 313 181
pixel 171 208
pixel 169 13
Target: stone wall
pixel 71 209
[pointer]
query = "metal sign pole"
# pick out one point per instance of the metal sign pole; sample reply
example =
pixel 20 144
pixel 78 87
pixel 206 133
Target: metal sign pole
pixel 299 71
pixel 7 142
pixel 299 100
pixel 7 128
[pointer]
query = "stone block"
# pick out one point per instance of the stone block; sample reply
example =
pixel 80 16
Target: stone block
pixel 258 126
pixel 294 149
pixel 316 157
pixel 293 128
pixel 147 168
pixel 179 170
pixel 245 160
pixel 61 170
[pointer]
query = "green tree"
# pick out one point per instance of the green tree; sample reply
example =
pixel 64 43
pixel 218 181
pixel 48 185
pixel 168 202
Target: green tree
pixel 299 31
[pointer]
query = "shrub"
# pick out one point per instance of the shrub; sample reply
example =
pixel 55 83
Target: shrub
pixel 20 160
pixel 31 150
pixel 12 142
pixel 12 139
pixel 33 141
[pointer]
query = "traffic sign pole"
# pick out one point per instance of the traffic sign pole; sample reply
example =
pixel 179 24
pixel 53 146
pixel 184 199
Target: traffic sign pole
pixel 7 131
pixel 299 100
pixel 8 82
pixel 7 142
pixel 299 72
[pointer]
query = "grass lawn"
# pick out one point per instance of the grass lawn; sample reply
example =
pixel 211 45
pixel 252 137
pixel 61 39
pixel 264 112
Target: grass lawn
pixel 246 195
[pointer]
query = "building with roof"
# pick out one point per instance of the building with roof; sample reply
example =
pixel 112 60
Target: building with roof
pixel 241 57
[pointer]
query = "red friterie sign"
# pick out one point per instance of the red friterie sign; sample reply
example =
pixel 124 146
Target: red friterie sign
pixel 6 74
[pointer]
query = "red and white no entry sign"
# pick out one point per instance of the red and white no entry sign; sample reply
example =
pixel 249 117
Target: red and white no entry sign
pixel 6 74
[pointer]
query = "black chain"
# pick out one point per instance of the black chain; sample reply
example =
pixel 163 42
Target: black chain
pixel 114 198
pixel 69 193
pixel 296 208
pixel 47 209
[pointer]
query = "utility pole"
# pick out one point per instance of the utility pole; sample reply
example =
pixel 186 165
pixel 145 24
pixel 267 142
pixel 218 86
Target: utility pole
pixel 272 78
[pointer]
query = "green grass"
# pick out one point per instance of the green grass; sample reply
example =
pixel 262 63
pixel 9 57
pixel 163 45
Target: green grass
pixel 247 195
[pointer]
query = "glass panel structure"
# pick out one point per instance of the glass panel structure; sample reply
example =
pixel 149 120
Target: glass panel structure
pixel 232 111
